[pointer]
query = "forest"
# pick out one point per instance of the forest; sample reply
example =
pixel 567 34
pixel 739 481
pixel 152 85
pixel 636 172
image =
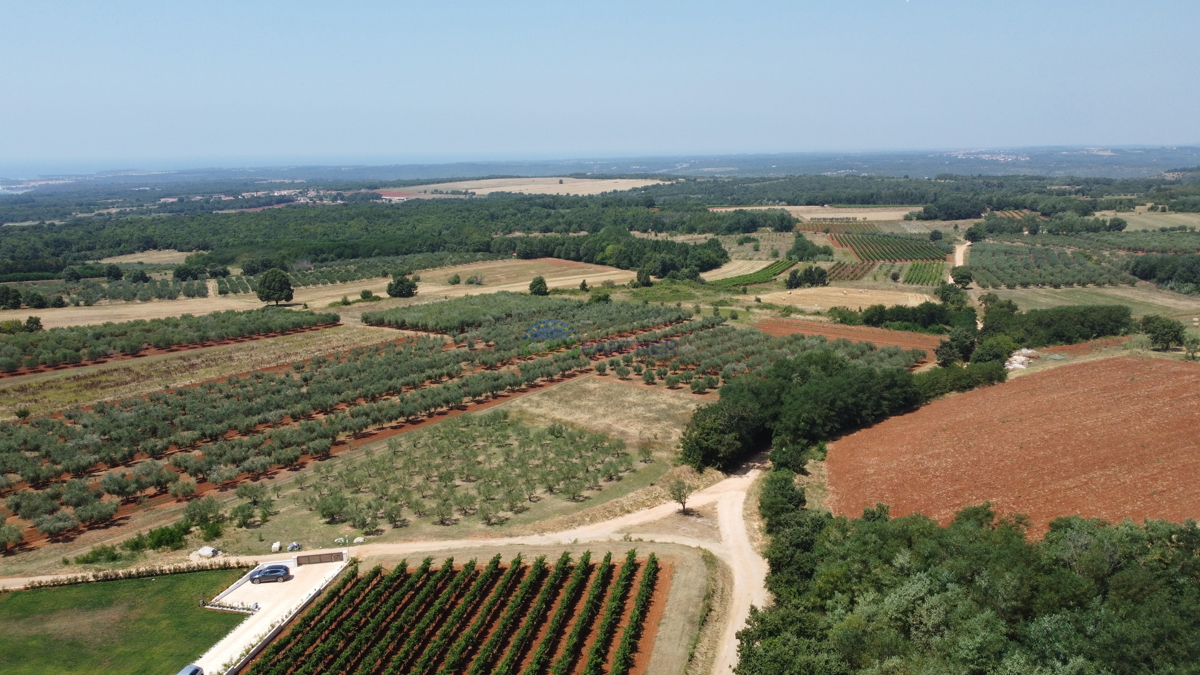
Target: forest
pixel 882 594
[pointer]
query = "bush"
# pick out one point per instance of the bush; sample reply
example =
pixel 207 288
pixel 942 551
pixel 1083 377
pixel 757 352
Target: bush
pixel 941 381
pixel 996 348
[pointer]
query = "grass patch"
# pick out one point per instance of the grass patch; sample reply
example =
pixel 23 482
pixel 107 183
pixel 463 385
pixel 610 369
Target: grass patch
pixel 152 625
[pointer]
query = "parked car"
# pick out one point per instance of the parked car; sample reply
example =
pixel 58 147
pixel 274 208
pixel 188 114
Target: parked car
pixel 270 573
pixel 192 670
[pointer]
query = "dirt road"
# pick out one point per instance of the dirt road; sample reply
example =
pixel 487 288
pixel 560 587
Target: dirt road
pixel 735 549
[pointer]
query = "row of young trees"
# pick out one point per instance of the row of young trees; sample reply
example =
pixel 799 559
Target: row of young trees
pixel 76 344
pixel 276 418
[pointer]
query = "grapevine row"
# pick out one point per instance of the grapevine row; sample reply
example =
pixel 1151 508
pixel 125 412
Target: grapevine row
pixel 612 613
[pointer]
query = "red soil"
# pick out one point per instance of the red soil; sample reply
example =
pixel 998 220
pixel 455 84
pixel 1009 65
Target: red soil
pixel 881 337
pixel 1111 439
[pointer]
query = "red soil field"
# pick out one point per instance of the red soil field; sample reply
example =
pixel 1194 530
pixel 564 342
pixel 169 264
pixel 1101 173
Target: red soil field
pixel 1112 439
pixel 881 337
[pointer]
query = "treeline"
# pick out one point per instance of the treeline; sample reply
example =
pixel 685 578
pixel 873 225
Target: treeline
pixel 1059 224
pixel 1068 325
pixel 796 404
pixel 946 197
pixel 927 317
pixel 617 247
pixel 66 346
pixel 881 594
pixel 368 230
pixel 1179 273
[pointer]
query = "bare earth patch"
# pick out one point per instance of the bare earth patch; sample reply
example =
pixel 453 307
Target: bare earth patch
pixel 1111 439
pixel 166 256
pixel 822 298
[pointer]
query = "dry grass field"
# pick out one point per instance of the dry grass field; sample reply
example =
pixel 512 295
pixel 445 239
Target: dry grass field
pixel 498 275
pixel 605 405
pixel 861 213
pixel 164 257
pixel 822 298
pixel 736 268
pixel 1142 299
pixel 547 185
pixel 1145 220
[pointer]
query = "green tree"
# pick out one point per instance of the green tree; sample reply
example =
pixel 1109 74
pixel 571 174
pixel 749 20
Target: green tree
pixel 402 287
pixel 71 275
pixel 1163 332
pixel 643 278
pixel 274 286
pixel 454 280
pixel 1191 345
pixel 10 536
pixel 113 272
pixel 583 286
pixel 538 286
pixel 962 276
pixel 680 490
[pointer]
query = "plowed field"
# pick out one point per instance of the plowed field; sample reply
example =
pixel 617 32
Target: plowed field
pixel 879 336
pixel 1111 439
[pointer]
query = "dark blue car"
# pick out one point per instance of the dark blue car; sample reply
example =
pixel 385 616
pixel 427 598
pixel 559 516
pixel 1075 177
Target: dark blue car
pixel 270 573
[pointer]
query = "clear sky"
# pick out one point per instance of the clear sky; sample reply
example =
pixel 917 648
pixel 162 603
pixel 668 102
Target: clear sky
pixel 99 85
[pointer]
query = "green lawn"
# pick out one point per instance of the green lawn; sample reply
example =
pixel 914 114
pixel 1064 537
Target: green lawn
pixel 152 625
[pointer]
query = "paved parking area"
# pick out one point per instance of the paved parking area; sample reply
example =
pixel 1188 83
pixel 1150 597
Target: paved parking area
pixel 275 601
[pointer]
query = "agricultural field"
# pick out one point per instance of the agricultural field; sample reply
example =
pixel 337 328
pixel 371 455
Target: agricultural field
pixel 527 617
pixel 51 391
pixel 765 275
pixel 843 271
pixel 1109 438
pixel 1010 266
pixel 1146 220
pixel 1142 299
pixel 148 625
pixel 151 257
pixel 277 419
pixel 876 336
pixel 836 214
pixel 925 273
pixel 1133 242
pixel 821 298
pixel 877 248
pixel 27 352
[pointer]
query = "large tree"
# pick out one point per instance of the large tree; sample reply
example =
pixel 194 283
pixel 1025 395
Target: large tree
pixel 402 287
pixel 538 286
pixel 274 286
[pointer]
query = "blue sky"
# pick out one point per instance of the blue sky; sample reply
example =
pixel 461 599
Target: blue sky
pixel 88 85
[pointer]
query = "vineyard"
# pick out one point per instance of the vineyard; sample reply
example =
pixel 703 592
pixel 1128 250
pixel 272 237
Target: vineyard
pixel 879 247
pixel 515 619
pixel 843 271
pixel 1010 266
pixel 79 344
pixel 762 276
pixel 925 273
pixel 835 226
